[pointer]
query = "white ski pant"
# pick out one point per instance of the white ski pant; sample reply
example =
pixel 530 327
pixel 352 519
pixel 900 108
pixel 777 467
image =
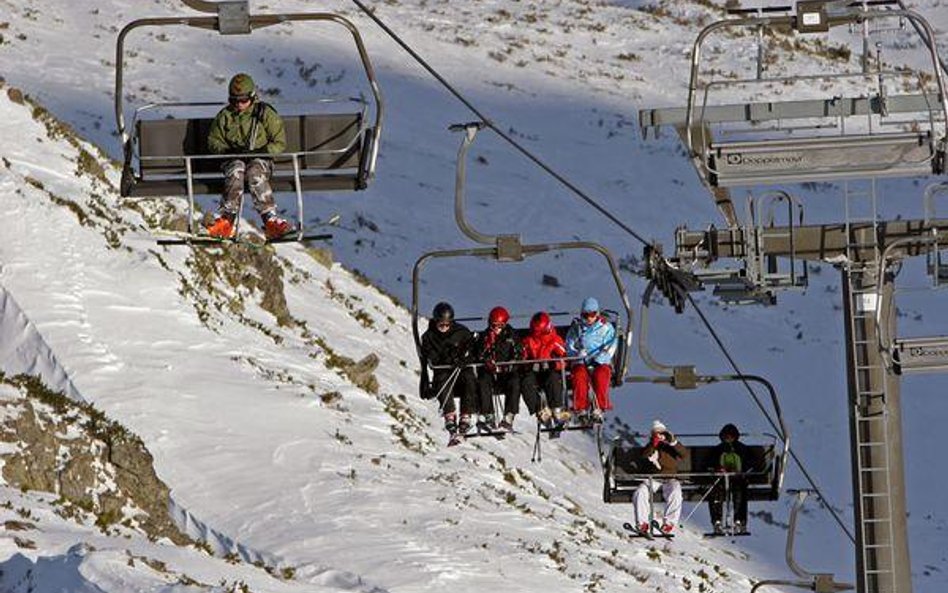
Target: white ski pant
pixel 671 490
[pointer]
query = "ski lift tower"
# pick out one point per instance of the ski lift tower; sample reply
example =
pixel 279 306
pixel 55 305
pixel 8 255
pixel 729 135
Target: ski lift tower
pixel 865 127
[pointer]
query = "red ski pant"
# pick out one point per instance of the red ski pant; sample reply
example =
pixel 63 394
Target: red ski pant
pixel 601 376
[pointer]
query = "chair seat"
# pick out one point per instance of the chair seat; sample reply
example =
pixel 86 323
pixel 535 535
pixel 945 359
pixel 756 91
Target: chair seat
pixel 627 469
pixel 332 147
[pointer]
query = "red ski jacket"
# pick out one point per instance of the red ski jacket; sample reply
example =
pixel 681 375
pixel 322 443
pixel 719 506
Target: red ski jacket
pixel 549 345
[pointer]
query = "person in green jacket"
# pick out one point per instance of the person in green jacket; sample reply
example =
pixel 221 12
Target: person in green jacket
pixel 247 126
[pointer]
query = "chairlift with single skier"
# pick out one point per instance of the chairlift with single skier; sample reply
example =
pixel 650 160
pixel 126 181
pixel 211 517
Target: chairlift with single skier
pixel 332 144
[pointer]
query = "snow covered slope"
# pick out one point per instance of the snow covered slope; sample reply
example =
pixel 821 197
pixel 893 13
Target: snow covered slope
pixel 237 380
pixel 158 339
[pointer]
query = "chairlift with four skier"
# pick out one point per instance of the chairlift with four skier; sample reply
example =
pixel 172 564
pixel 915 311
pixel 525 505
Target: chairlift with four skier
pixel 505 249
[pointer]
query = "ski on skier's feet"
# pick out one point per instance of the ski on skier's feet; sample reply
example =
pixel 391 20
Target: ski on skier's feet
pixel 207 240
pixel 249 239
pixel 484 429
pixel 714 534
pixel 653 532
pixel 636 532
pixel 659 532
pixel 293 237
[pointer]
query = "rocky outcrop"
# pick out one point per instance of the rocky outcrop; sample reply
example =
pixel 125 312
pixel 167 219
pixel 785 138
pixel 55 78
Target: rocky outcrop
pixel 54 444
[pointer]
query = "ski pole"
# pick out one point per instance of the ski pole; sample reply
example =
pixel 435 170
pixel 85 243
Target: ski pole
pixel 449 384
pixel 707 492
pixel 537 456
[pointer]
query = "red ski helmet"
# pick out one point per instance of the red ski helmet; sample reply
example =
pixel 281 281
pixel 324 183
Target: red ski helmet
pixel 498 315
pixel 540 324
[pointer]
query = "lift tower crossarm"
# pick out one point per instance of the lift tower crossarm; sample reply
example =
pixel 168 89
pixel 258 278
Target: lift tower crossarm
pixel 821 242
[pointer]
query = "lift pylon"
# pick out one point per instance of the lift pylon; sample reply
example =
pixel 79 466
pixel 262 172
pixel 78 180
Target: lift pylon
pixel 849 138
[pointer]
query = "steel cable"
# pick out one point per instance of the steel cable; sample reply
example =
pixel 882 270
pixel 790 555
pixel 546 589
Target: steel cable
pixel 601 209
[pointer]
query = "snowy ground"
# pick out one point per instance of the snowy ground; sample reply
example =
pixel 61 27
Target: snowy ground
pixel 235 420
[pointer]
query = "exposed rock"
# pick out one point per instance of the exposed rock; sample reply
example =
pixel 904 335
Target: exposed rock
pixel 362 373
pixel 15 95
pixel 251 270
pixel 74 451
pixel 549 280
pixel 331 398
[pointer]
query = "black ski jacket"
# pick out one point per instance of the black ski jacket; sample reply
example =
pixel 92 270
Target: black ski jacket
pixel 450 347
pixel 504 347
pixel 443 348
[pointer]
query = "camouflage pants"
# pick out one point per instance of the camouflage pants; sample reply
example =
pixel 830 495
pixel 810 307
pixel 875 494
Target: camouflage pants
pixel 254 173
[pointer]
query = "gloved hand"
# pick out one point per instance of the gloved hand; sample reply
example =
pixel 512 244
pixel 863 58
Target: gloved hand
pixel 670 438
pixel 654 459
pixel 490 366
pixel 424 383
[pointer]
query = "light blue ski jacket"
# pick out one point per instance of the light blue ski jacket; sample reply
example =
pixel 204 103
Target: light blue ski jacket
pixel 596 342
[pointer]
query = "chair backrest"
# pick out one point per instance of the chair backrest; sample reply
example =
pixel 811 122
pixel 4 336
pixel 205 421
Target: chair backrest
pixel 827 157
pixel 628 468
pixel 163 142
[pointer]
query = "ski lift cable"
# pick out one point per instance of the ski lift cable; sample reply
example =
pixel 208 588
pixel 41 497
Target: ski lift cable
pixel 589 200
pixel 753 394
pixel 924 37
pixel 490 124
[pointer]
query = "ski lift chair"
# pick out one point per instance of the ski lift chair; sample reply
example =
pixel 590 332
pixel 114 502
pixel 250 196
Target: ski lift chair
pixel 566 372
pixel 506 249
pixel 327 149
pixel 626 468
pixel 839 137
pixel 622 323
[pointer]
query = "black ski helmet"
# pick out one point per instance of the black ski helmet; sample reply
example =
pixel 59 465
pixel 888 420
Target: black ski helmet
pixel 442 312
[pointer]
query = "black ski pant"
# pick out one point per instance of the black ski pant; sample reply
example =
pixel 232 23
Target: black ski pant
pixel 465 388
pixel 550 380
pixel 738 493
pixel 507 383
